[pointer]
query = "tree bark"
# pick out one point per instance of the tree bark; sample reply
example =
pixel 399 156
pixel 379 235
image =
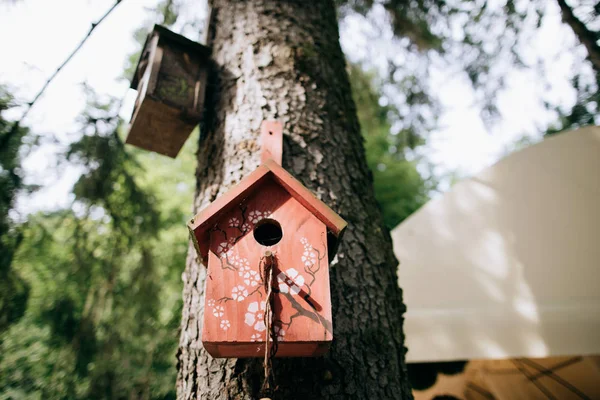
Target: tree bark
pixel 282 60
pixel 584 35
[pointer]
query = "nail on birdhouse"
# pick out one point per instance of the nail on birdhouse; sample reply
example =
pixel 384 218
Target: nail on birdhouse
pixel 170 78
pixel 269 217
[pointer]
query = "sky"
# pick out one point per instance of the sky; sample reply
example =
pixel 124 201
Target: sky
pixel 42 34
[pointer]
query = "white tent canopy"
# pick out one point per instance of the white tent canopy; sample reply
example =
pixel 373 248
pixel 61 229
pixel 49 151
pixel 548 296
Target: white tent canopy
pixel 507 264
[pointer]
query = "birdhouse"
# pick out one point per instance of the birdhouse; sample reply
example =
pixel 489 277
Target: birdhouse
pixel 268 218
pixel 170 79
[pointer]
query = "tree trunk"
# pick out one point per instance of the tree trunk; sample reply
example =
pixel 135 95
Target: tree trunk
pixel 282 60
pixel 584 35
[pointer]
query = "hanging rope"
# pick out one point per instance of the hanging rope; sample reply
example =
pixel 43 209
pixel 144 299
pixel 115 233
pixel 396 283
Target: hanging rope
pixel 268 261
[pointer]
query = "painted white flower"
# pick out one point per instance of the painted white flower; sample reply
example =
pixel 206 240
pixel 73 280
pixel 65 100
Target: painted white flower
pixel 309 258
pixel 225 324
pixel 236 261
pixel 306 244
pixel 256 337
pixel 227 254
pixel 279 332
pixel 246 227
pixel 255 216
pixel 251 278
pixel 243 269
pixel 234 222
pixel 218 311
pixel 256 315
pixel 211 303
pixel 222 248
pixel 239 293
pixel 290 281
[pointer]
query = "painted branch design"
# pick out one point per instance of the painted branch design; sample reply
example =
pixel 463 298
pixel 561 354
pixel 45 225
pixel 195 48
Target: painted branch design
pixel 291 284
pixel 294 283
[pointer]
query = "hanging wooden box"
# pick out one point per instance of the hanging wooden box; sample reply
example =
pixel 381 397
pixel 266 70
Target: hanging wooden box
pixel 171 81
pixel 232 234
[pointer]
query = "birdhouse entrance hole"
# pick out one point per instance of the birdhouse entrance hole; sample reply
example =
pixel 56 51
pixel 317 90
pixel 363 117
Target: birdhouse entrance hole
pixel 268 232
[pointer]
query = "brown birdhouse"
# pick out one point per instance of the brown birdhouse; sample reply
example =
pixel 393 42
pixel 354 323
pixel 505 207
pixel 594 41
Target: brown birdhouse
pixel 171 80
pixel 267 243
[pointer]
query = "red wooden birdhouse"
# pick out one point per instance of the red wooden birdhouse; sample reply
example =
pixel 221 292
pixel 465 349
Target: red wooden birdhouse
pixel 170 78
pixel 268 213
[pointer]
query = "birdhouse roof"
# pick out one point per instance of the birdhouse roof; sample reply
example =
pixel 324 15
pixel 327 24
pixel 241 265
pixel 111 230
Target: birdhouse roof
pixel 206 219
pixel 172 37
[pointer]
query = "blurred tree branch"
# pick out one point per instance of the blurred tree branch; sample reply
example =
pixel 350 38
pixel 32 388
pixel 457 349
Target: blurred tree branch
pixel 584 35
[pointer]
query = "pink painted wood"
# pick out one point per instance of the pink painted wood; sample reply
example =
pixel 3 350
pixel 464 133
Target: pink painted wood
pixel 271 141
pixel 235 298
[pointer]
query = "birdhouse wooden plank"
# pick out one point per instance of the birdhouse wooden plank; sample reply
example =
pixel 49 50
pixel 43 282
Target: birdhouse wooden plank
pixel 171 80
pixel 269 212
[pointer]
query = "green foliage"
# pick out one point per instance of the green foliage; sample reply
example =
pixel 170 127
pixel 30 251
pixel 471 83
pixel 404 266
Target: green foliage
pixel 399 188
pixel 483 40
pixel 13 290
pixel 585 111
pixel 33 368
pixel 462 35
pixel 104 307
pixel 103 278
pixel 109 180
pixel 411 19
